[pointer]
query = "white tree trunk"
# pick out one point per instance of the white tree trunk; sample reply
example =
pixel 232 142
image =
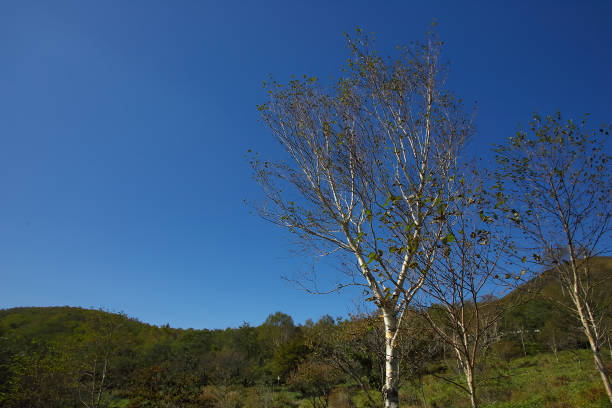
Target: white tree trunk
pixel 471 386
pixel 589 326
pixel 389 389
pixel 596 354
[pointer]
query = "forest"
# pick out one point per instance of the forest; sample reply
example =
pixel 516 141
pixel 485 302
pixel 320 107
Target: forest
pixel 534 356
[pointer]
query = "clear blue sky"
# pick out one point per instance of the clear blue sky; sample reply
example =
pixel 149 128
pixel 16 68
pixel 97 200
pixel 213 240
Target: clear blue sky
pixel 124 125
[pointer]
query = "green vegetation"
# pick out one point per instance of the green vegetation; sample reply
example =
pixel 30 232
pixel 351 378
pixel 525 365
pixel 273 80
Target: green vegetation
pixel 526 382
pixel 55 357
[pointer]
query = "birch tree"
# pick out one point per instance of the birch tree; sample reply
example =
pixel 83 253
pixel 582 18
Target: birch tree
pixel 457 298
pixel 559 176
pixel 365 168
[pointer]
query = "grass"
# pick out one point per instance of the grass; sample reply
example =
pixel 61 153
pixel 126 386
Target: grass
pixel 529 382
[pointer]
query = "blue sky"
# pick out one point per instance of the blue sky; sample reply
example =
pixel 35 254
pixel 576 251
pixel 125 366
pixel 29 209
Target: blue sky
pixel 124 125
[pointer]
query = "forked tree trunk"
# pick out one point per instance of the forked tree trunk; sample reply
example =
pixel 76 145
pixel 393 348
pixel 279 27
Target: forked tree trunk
pixel 554 345
pixel 389 389
pixel 554 349
pixel 468 372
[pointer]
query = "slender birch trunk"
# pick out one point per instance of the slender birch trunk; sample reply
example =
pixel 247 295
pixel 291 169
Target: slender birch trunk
pixel 389 389
pixel 554 345
pixel 594 344
pixel 465 364
pixel 587 321
pixel 469 374
pixel 422 391
pixel 603 373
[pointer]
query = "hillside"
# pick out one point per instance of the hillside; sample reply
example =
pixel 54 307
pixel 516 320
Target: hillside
pixel 539 304
pixel 547 285
pixel 57 324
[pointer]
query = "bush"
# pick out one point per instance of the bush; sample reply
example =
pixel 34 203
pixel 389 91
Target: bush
pixel 506 349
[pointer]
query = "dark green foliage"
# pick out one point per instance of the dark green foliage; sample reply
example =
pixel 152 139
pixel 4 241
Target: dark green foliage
pixel 47 356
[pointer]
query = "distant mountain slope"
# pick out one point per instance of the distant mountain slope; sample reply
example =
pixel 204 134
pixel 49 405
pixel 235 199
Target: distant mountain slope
pixel 538 312
pixel 65 324
pixel 547 285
